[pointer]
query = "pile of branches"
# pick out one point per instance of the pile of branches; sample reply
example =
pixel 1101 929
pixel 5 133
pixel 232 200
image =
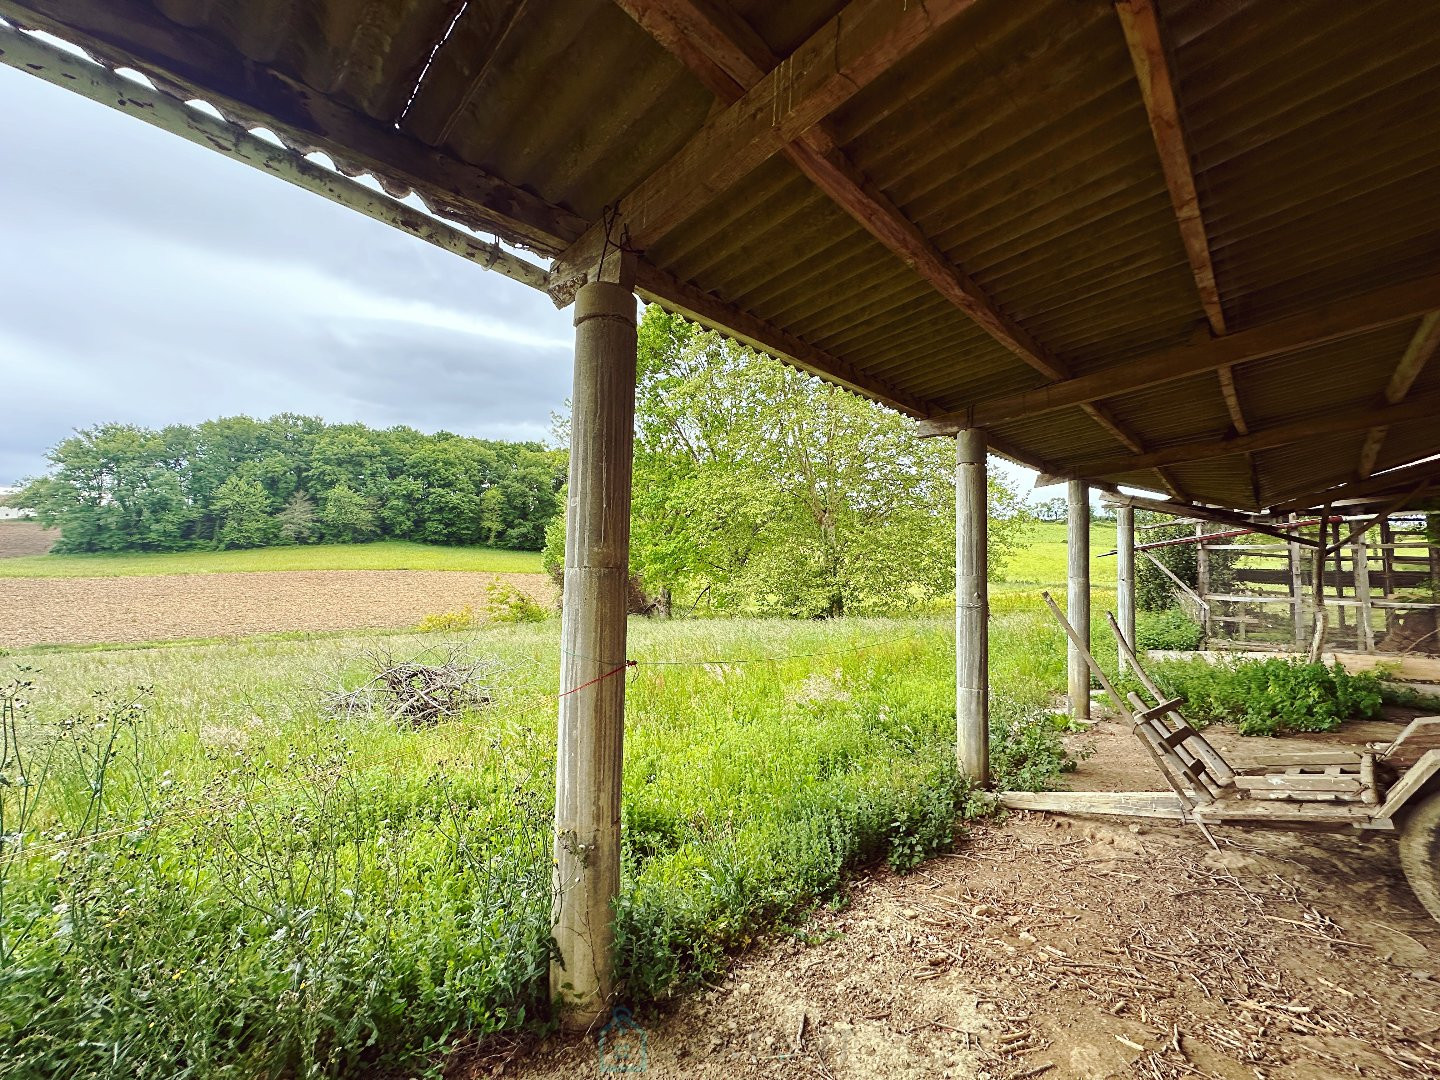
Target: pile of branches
pixel 439 684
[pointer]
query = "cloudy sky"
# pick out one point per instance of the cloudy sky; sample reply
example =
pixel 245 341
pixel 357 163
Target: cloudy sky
pixel 149 281
pixel 146 280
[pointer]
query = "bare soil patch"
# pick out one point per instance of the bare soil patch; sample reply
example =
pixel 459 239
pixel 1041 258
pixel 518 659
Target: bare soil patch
pixel 19 538
pixel 1058 947
pixel 72 610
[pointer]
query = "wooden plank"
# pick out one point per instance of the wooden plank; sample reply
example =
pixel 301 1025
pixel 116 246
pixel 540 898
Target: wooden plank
pixel 1268 438
pixel 1151 804
pixel 1279 759
pixel 1294 782
pixel 1374 489
pixel 1333 321
pixel 187 64
pixel 1410 784
pixel 1143 35
pixel 863 41
pixel 39 58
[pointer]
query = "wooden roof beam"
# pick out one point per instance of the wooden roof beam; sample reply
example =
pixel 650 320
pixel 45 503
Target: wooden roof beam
pixel 1371 489
pixel 1341 318
pixel 853 49
pixel 188 64
pixel 726 55
pixel 1421 348
pixel 1181 508
pixel 1141 25
pixel 1416 408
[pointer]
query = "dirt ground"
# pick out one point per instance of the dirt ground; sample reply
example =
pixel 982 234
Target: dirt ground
pixel 65 610
pixel 1061 947
pixel 19 538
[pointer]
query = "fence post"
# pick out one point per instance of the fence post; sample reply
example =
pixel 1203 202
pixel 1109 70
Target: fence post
pixel 1125 575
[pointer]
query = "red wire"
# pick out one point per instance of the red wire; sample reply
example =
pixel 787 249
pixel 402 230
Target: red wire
pixel 601 678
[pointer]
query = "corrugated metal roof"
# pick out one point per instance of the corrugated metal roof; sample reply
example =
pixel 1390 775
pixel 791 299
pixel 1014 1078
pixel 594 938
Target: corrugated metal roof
pixel 1015 139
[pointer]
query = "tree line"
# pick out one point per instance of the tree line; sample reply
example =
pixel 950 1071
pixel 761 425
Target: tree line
pixel 236 482
pixel 761 489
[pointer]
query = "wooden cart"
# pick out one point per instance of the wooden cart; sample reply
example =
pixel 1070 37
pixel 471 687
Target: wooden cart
pixel 1389 787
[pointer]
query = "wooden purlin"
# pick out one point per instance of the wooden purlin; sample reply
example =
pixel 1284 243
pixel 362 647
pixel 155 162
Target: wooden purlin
pixel 1343 318
pixel 1417 354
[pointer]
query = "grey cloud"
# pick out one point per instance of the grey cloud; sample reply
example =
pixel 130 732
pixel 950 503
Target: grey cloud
pixel 149 281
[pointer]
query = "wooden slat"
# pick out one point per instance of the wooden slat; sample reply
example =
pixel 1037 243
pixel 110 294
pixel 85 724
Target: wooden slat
pixel 1294 782
pixel 1421 348
pixel 1161 804
pixel 1150 58
pixel 1329 322
pixel 133 34
pixel 863 41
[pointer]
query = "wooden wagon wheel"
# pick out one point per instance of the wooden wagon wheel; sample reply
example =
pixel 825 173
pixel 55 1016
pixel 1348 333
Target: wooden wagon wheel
pixel 1420 852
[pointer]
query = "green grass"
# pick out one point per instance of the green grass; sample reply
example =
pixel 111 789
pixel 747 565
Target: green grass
pixel 383 555
pixel 224 881
pixel 1042 560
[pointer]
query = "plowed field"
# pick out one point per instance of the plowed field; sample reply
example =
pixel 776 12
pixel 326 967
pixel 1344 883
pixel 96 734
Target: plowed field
pixel 42 611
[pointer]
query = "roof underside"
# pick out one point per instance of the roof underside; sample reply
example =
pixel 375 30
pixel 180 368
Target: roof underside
pixel 1015 138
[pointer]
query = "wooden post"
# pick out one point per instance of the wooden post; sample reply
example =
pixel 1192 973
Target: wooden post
pixel 1125 576
pixel 592 676
pixel 1387 569
pixel 1339 546
pixel 1202 582
pixel 1360 556
pixel 972 609
pixel 1297 591
pixel 1078 537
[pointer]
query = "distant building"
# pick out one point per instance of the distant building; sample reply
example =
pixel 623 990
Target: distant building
pixel 6 512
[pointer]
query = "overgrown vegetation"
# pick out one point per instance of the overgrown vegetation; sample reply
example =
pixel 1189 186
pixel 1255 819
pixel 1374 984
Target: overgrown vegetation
pixel 236 482
pixel 1170 629
pixel 209 877
pixel 1274 696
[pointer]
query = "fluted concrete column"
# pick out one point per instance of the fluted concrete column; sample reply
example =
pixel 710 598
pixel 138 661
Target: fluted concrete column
pixel 1078 537
pixel 972 609
pixel 592 679
pixel 1125 574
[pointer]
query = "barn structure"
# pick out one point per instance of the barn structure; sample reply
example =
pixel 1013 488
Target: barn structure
pixel 1185 246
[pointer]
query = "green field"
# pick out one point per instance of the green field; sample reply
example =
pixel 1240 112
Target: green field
pixel 383 555
pixel 1042 559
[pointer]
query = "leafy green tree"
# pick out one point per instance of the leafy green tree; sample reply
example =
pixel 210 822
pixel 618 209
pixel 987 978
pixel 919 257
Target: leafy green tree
pixel 242 510
pixel 760 488
pixel 346 516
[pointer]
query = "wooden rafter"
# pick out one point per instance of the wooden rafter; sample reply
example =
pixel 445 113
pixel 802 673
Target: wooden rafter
pixel 725 54
pixel 857 46
pixel 1262 439
pixel 1421 348
pixel 1141 24
pixel 730 58
pixel 1184 508
pixel 1342 318
pixel 189 64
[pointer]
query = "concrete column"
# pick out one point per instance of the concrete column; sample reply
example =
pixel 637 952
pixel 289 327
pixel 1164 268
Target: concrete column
pixel 972 609
pixel 592 679
pixel 1125 575
pixel 1078 540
